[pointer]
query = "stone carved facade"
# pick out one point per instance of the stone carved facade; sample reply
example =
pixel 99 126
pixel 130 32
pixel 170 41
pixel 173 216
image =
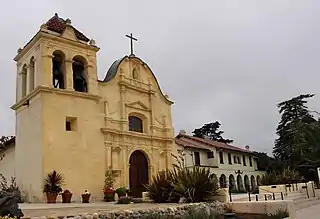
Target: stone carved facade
pixel 81 134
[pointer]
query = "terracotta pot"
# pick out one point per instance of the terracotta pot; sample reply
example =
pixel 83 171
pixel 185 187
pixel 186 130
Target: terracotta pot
pixel 109 194
pixel 85 198
pixel 66 197
pixel 52 197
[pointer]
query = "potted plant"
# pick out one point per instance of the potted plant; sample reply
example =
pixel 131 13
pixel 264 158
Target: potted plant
pixel 121 191
pixel 86 196
pixel 108 190
pixel 66 196
pixel 52 186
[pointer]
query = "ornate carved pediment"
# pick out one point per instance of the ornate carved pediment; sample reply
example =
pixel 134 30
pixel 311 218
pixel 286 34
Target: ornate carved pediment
pixel 138 105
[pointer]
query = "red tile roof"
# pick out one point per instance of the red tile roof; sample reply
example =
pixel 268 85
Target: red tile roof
pixel 195 142
pixel 58 25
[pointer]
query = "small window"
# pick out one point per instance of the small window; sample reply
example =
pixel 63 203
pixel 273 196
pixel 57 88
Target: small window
pixel 244 160
pixel 135 124
pixel 135 74
pixel 239 160
pixel 221 157
pixel 71 124
pixel 196 158
pixel 229 158
pixel 235 159
pixel 250 161
pixel 210 154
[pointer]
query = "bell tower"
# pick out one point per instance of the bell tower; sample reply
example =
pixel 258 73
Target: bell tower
pixel 56 99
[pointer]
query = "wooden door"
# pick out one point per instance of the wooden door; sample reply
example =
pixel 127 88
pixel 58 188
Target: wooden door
pixel 138 173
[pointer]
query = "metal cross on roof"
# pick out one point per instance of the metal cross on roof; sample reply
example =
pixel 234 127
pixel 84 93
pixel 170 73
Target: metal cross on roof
pixel 131 42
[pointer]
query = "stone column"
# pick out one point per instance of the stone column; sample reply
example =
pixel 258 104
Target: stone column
pixel 68 75
pixel 91 79
pixel 125 166
pixel 46 73
pixel 152 117
pixel 122 106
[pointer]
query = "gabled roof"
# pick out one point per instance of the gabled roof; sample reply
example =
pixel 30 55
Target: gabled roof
pixel 200 143
pixel 58 25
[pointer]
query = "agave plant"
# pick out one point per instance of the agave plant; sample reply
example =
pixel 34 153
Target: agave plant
pixel 160 187
pixel 194 184
pixel 53 182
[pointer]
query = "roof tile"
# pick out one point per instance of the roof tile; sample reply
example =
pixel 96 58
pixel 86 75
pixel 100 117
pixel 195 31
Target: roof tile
pixel 191 141
pixel 58 25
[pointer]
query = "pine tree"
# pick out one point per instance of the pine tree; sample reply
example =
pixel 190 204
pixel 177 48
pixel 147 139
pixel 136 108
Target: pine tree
pixel 296 132
pixel 211 131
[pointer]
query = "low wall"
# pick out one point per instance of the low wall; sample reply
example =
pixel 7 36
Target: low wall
pixel 264 207
pixel 282 188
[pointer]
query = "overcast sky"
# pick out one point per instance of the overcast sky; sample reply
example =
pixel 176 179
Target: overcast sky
pixel 230 61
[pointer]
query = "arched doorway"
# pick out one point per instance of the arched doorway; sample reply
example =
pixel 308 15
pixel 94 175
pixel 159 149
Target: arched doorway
pixel 138 173
pixel 239 183
pixel 223 181
pixel 215 178
pixel 247 183
pixel 232 183
pixel 253 183
pixel 258 180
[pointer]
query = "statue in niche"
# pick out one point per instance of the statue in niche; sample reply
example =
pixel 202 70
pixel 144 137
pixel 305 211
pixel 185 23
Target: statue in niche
pixel 79 77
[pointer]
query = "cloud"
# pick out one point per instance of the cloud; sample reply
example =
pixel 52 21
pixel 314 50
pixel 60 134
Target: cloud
pixel 218 60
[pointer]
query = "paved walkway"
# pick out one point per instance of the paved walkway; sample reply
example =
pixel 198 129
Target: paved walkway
pixel 59 209
pixel 312 212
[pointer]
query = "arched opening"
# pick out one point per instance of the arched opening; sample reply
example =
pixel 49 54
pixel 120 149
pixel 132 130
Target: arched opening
pixel 135 74
pixel 135 124
pixel 246 183
pixel 223 181
pixel 24 81
pixel 215 178
pixel 239 183
pixel 258 180
pixel 138 173
pixel 79 74
pixel 253 183
pixel 58 70
pixel 232 183
pixel 31 75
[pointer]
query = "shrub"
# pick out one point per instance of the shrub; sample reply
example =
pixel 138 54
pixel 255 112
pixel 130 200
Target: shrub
pixel 280 214
pixel 201 212
pixel 160 187
pixel 287 176
pixel 124 200
pixel 53 182
pixel 10 186
pixel 194 184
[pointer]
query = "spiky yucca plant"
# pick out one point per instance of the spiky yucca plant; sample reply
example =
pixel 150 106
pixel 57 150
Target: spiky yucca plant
pixel 195 184
pixel 53 182
pixel 160 187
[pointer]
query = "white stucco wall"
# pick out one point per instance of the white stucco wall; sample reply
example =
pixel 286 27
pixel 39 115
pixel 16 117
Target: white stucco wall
pixel 226 169
pixel 7 163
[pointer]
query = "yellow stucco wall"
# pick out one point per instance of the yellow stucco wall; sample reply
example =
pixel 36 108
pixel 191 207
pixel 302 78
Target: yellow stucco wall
pixel 28 148
pixel 102 138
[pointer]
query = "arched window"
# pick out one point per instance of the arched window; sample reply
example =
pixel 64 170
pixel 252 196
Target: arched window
pixel 135 74
pixel 31 75
pixel 135 124
pixel 24 81
pixel 58 71
pixel 79 74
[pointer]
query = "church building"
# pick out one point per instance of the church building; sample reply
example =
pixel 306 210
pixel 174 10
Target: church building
pixel 70 121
